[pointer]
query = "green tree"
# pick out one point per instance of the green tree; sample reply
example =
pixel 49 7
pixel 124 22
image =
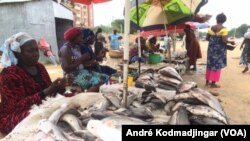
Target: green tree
pixel 239 31
pixel 118 24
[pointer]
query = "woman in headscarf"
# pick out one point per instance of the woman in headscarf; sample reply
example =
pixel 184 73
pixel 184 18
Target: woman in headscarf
pixel 74 62
pixel 192 47
pixel 246 44
pixel 217 50
pixel 24 82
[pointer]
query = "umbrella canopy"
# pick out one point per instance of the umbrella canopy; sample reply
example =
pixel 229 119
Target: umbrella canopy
pixel 88 2
pixel 170 29
pixel 156 14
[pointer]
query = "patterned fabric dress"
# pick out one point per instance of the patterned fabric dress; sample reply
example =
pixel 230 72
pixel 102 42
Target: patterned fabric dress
pixel 216 54
pixel 83 77
pixel 19 91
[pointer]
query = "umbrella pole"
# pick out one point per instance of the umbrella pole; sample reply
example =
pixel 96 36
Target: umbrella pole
pixel 139 39
pixel 126 52
pixel 169 50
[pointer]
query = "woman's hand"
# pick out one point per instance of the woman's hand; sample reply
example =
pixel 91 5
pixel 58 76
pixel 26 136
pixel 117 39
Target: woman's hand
pixel 57 86
pixel 91 63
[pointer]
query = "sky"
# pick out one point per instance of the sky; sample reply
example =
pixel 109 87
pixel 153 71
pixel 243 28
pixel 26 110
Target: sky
pixel 237 11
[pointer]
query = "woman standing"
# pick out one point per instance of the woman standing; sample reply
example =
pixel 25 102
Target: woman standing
pixel 192 47
pixel 217 51
pixel 246 44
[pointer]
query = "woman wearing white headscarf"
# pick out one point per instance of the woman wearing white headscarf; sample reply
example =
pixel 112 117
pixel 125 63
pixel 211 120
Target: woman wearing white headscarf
pixel 246 44
pixel 24 82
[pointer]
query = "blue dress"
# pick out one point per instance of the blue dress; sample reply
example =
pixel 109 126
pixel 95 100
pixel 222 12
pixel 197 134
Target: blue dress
pixel 217 50
pixel 114 44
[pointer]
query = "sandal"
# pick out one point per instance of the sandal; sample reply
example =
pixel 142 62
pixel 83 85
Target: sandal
pixel 245 70
pixel 207 83
pixel 214 86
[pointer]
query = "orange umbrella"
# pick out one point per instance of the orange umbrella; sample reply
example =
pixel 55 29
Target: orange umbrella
pixel 88 2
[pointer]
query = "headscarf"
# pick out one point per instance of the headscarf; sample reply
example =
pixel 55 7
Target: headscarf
pixel 72 33
pixel 13 44
pixel 247 34
pixel 87 34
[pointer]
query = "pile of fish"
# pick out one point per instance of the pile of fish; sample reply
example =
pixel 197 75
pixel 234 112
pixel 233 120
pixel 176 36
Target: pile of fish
pixel 100 116
pixel 180 60
pixel 190 105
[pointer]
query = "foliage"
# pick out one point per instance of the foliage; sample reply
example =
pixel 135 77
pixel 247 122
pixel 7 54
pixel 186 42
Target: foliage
pixel 240 31
pixel 234 32
pixel 119 25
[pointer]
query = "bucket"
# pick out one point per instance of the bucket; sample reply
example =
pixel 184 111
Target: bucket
pixel 154 58
pixel 130 81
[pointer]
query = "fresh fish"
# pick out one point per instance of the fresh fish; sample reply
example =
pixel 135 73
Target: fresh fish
pixel 168 80
pixel 104 131
pixel 48 127
pixel 208 99
pixel 179 105
pixel 141 113
pixel 157 102
pixel 187 98
pixel 28 127
pixel 180 117
pixel 102 114
pixel 165 96
pixel 113 98
pixel 161 119
pixel 202 120
pixel 151 106
pixel 186 86
pixel 168 107
pixel 103 105
pixel 167 87
pixel 73 121
pixel 136 104
pixel 131 98
pixel 118 121
pixel 206 111
pixel 55 116
pixel 170 72
pixel 85 134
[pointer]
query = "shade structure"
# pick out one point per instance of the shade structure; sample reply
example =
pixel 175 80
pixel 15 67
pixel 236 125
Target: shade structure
pixel 157 14
pixel 88 2
pixel 171 29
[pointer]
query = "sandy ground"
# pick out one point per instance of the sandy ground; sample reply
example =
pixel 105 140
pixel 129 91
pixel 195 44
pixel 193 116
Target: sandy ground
pixel 234 93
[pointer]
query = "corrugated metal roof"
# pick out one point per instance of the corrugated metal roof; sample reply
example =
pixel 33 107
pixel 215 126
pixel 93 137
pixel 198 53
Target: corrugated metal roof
pixel 13 1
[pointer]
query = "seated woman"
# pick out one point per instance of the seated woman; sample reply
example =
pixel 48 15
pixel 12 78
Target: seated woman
pixel 24 82
pixel 89 39
pixel 152 44
pixel 74 62
pixel 133 52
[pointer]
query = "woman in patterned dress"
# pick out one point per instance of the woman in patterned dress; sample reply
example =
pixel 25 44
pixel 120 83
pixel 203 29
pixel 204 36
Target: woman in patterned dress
pixel 217 51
